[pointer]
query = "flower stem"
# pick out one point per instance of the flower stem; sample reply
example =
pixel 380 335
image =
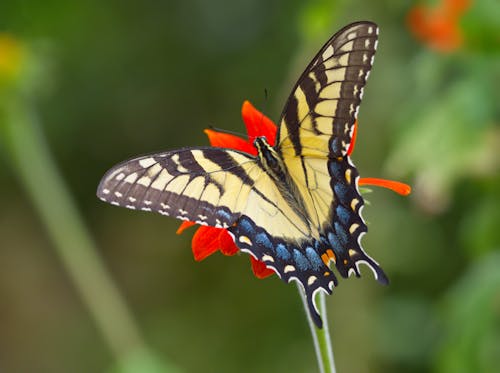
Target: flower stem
pixel 78 254
pixel 22 139
pixel 321 337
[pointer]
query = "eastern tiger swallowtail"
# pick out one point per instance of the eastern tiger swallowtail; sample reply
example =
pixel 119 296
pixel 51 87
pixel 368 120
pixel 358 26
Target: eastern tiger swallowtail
pixel 296 205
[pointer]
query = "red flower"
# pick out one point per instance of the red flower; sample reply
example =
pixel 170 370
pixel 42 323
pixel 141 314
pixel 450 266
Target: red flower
pixel 438 27
pixel 208 240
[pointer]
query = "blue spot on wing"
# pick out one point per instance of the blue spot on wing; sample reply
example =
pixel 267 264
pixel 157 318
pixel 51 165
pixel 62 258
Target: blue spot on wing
pixel 246 227
pixel 263 240
pixel 300 260
pixel 314 258
pixel 341 234
pixel 335 243
pixel 343 214
pixel 342 191
pixel 336 170
pixel 282 252
pixel 335 145
pixel 224 215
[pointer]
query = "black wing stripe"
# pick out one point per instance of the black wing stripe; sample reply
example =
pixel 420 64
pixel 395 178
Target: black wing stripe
pixel 308 87
pixel 291 116
pixel 228 164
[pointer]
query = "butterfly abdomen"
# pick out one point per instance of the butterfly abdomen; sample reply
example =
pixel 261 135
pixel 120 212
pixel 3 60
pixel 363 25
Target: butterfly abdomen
pixel 271 161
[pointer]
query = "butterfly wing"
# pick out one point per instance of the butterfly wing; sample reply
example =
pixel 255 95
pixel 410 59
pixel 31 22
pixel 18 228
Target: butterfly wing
pixel 210 186
pixel 318 118
pixel 204 185
pixel 315 133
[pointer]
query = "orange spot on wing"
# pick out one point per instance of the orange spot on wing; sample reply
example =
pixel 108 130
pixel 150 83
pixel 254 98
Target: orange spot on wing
pixel 331 254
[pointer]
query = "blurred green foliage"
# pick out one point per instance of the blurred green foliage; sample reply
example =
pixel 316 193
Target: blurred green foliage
pixel 124 78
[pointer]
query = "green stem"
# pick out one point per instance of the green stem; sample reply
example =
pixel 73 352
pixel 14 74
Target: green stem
pixel 321 337
pixel 52 200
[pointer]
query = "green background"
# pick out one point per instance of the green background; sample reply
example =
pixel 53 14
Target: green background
pixel 107 80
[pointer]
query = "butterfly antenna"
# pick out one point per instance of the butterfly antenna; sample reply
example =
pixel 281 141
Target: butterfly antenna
pixel 261 121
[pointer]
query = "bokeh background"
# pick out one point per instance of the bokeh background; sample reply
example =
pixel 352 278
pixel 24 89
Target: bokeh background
pixel 87 287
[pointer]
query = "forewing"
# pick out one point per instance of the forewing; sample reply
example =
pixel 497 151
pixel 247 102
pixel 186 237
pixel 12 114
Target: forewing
pixel 209 186
pixel 318 118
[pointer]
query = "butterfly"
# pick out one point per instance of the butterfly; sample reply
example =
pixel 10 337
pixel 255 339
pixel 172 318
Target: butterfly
pixel 295 206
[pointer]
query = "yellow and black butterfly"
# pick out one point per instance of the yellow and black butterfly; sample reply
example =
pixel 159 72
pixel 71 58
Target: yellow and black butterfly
pixel 295 206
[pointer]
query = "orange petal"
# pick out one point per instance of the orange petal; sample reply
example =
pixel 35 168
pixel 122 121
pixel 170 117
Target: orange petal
pixel 446 34
pixel 437 27
pixel 259 269
pixel 396 186
pixel 258 124
pixel 353 138
pixel 205 242
pixel 185 225
pixel 226 140
pixel 417 23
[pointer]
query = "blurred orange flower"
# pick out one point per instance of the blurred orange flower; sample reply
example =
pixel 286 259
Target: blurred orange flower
pixel 438 27
pixel 208 240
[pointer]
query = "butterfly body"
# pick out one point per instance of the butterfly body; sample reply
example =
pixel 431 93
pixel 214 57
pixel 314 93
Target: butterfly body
pixel 294 206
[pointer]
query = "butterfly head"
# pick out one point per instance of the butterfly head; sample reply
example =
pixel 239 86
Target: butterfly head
pixel 268 157
pixel 260 142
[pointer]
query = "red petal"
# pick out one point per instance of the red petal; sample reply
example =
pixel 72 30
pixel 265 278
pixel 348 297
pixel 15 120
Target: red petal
pixel 353 139
pixel 205 242
pixel 226 243
pixel 208 240
pixel 395 186
pixel 185 225
pixel 258 124
pixel 259 268
pixel 226 140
